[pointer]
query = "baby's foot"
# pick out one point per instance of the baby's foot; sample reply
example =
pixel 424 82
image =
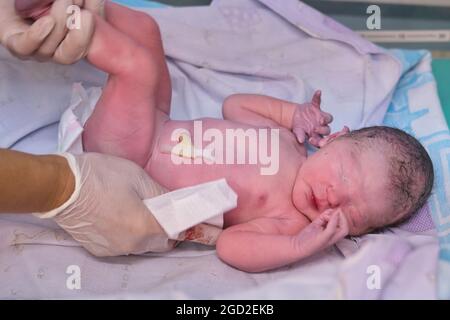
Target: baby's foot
pixel 33 9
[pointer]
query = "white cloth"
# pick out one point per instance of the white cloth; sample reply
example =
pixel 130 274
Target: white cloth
pixel 182 209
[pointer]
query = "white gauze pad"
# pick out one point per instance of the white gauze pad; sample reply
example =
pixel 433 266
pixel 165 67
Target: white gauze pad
pixel 182 209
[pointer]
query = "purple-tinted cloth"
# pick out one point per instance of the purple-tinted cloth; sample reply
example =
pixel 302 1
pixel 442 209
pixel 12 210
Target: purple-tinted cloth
pixel 419 221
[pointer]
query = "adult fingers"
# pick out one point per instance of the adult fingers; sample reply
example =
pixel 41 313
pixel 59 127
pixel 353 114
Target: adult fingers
pixel 25 43
pixel 51 43
pixel 95 6
pixel 76 44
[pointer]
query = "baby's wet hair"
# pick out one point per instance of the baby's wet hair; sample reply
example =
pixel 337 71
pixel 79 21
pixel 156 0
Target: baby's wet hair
pixel 411 171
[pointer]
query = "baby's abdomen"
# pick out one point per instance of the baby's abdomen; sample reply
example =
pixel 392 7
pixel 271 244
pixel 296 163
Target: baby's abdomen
pixel 175 171
pixel 255 191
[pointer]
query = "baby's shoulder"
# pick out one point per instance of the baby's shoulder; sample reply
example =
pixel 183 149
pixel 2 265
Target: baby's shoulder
pixel 290 144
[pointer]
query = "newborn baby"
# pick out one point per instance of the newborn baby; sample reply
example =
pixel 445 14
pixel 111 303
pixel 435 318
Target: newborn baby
pixel 355 183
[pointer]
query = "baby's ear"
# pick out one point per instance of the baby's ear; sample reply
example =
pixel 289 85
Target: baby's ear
pixel 326 140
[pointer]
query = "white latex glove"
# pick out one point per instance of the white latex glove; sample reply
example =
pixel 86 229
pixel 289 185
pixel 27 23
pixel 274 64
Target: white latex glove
pixel 106 213
pixel 48 38
pixel 95 6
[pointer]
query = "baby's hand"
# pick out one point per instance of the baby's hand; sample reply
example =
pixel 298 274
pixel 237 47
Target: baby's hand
pixel 310 121
pixel 327 229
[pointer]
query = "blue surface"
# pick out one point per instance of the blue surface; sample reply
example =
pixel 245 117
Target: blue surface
pixel 140 3
pixel 437 142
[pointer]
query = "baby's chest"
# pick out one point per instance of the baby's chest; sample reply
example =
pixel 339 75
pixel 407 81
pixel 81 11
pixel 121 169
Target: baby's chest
pixel 259 198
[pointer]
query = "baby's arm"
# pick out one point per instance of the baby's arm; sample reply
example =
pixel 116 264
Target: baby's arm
pixel 303 119
pixel 259 110
pixel 264 244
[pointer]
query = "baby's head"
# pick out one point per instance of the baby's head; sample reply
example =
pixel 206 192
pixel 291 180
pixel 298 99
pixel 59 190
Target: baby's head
pixel 378 176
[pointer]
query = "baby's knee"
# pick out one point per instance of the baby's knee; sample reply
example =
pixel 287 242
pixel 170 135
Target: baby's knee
pixel 147 23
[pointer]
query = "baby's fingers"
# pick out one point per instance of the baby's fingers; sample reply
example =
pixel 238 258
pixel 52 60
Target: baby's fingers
pixel 323 130
pixel 323 218
pixel 343 224
pixel 326 118
pixel 329 138
pixel 317 99
pixel 315 140
pixel 330 229
pixel 300 134
pixel 342 228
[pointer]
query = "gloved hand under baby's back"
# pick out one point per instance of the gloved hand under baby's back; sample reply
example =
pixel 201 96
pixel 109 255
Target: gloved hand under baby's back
pixel 105 212
pixel 47 38
pixel 107 215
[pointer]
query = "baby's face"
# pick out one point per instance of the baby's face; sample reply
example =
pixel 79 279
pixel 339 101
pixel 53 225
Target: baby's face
pixel 341 176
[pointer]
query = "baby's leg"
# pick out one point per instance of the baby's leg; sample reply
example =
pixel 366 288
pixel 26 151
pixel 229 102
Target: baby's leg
pixel 145 31
pixel 123 121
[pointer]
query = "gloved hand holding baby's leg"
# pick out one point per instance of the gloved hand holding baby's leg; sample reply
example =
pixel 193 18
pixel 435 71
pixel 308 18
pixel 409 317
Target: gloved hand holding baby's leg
pixel 35 9
pixel 48 38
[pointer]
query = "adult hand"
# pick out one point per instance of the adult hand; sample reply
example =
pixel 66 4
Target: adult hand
pixel 48 38
pixel 106 213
